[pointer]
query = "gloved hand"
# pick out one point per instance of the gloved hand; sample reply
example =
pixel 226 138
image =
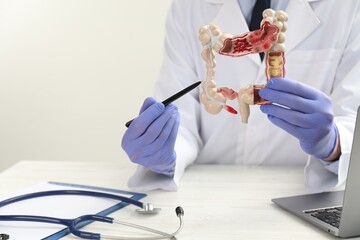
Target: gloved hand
pixel 150 139
pixel 308 115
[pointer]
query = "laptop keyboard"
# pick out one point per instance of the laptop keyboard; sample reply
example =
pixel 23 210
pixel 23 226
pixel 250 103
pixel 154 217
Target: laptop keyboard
pixel 329 215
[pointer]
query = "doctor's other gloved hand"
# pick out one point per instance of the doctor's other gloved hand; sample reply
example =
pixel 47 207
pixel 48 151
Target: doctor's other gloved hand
pixel 150 139
pixel 307 115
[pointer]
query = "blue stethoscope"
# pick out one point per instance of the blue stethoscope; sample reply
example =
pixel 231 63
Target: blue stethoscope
pixel 72 224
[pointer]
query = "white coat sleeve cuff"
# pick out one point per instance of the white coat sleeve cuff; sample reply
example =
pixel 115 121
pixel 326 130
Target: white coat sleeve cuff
pixel 332 166
pixel 321 176
pixel 145 180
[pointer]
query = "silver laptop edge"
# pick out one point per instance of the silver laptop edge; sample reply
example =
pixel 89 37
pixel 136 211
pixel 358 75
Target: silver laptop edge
pixel 348 199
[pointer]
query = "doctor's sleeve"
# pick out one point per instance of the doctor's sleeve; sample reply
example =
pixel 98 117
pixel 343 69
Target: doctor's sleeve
pixel 177 72
pixel 345 97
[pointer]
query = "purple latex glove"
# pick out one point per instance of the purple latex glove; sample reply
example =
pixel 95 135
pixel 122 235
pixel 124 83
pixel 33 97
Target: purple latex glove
pixel 150 139
pixel 307 115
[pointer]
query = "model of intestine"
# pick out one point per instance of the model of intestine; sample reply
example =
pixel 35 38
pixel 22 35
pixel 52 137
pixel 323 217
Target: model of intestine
pixel 268 39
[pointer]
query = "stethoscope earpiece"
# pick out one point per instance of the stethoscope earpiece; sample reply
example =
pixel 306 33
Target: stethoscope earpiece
pixel 4 236
pixel 179 211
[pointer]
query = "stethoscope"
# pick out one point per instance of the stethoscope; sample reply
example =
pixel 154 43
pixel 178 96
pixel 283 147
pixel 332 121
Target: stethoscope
pixel 72 224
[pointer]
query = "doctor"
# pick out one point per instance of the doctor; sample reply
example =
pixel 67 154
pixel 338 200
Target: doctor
pixel 322 90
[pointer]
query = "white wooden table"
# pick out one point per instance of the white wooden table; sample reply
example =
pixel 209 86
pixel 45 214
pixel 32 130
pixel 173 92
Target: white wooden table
pixel 220 201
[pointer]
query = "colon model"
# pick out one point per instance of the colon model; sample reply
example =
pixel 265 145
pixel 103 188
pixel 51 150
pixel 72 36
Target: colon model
pixel 269 39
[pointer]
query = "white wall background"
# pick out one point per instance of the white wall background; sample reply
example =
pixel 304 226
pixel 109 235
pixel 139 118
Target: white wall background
pixel 72 72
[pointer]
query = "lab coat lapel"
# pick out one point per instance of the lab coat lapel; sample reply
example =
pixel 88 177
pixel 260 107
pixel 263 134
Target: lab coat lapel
pixel 302 22
pixel 230 19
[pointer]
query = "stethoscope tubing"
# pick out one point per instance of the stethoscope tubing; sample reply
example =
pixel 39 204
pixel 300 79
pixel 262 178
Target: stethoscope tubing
pixel 72 223
pixel 163 234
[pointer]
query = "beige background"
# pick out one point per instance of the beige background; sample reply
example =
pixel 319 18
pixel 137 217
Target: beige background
pixel 72 72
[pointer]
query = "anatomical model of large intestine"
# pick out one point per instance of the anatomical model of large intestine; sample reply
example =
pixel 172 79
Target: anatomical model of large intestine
pixel 269 39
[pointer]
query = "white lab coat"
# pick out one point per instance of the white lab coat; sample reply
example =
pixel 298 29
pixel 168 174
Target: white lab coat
pixel 323 51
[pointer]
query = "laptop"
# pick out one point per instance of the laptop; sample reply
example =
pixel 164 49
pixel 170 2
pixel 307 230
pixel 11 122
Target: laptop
pixel 337 212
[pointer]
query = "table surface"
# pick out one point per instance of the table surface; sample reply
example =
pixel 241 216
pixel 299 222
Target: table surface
pixel 219 201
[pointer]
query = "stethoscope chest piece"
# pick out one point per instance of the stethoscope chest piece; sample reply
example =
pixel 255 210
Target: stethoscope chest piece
pixel 148 208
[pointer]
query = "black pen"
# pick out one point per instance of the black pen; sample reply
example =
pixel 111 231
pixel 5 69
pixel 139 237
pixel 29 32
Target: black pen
pixel 174 97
